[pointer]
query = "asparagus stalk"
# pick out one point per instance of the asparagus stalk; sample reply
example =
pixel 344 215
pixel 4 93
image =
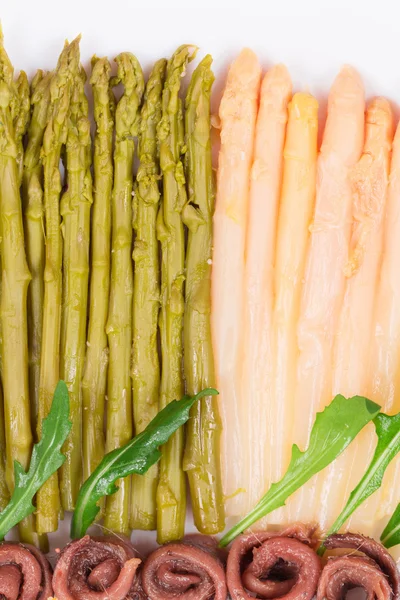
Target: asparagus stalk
pixel 75 210
pixel 95 373
pixel 4 495
pixel 146 294
pixel 48 499
pixel 21 120
pixel 171 490
pixel 202 450
pixel 119 325
pixel 32 198
pixel 14 114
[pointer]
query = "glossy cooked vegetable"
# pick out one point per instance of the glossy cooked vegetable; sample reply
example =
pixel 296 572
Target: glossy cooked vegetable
pixel 136 456
pixel 265 189
pixel 238 112
pixel 333 430
pixel 295 211
pixel 32 198
pixel 171 490
pixel 15 280
pixel 146 293
pixel 388 432
pixel 21 117
pixel 45 460
pixel 94 383
pixel 202 449
pixel 75 210
pixel 4 493
pixel 353 336
pixel 119 324
pixel 324 279
pixel 384 379
pixel 48 500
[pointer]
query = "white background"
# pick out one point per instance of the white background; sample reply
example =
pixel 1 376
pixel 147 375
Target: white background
pixel 313 37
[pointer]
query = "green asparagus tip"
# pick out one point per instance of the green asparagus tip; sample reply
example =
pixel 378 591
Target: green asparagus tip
pixel 129 73
pixel 40 85
pixel 6 68
pixel 101 69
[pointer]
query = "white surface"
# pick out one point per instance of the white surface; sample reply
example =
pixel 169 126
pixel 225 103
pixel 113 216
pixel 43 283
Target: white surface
pixel 313 37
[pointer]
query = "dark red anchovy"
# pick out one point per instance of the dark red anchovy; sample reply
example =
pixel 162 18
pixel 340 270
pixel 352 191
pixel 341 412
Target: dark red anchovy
pixel 25 573
pixel 375 572
pixel 274 565
pixel 98 569
pixel 189 570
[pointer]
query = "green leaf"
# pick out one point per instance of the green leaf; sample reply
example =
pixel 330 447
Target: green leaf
pixel 332 432
pixel 391 534
pixel 137 456
pixel 45 460
pixel 388 432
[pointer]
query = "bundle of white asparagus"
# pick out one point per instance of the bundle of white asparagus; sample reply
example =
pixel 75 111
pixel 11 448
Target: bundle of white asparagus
pixel 306 285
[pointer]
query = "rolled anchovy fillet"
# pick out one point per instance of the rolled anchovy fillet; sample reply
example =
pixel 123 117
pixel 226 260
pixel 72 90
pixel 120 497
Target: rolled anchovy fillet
pixel 25 573
pixel 190 570
pixel 274 565
pixel 98 569
pixel 375 572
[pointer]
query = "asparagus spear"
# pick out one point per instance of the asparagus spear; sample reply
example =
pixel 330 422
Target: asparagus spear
pixel 119 325
pixel 48 499
pixel 14 111
pixel 75 210
pixel 146 294
pixel 171 492
pixel 202 450
pixel 95 372
pixel 4 495
pixel 32 199
pixel 22 118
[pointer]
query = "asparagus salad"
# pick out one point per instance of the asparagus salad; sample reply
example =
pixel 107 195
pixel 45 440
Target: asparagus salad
pixel 172 331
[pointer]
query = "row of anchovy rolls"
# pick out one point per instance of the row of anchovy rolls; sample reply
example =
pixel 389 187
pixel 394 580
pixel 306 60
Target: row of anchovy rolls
pixel 259 565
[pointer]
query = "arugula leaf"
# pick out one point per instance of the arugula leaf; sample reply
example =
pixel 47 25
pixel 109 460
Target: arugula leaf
pixel 45 460
pixel 332 432
pixel 137 456
pixel 391 534
pixel 388 432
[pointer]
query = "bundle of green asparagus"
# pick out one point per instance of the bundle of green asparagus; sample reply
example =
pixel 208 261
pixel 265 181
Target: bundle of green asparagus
pixel 106 283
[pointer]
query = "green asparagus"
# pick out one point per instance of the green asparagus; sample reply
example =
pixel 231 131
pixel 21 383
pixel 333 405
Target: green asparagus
pixel 32 199
pixel 75 211
pixel 48 499
pixel 171 490
pixel 14 113
pixel 202 450
pixel 95 373
pixel 4 495
pixel 21 120
pixel 119 325
pixel 146 294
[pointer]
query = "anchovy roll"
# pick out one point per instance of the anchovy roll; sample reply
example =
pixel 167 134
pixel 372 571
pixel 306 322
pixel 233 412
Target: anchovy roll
pixel 25 573
pixel 98 569
pixel 375 572
pixel 190 570
pixel 274 565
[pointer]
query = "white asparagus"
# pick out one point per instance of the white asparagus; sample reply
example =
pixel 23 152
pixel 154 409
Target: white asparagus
pixel 265 187
pixel 324 281
pixel 369 180
pixel 295 213
pixel 238 112
pixel 384 364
